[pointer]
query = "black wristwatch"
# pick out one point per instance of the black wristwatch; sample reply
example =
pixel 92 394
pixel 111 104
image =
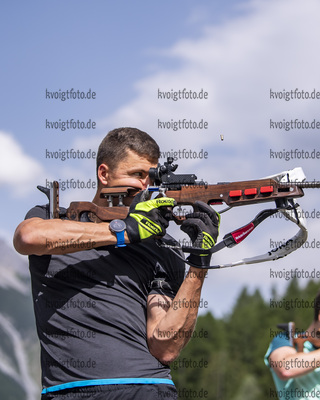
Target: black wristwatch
pixel 118 226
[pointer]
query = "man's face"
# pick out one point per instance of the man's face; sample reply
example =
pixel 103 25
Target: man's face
pixel 132 170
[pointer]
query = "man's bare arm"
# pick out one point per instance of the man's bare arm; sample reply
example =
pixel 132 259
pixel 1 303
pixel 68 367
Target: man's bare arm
pixel 170 323
pixel 288 363
pixel 55 236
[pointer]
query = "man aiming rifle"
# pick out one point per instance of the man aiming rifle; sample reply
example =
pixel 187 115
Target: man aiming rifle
pixel 294 360
pixel 102 302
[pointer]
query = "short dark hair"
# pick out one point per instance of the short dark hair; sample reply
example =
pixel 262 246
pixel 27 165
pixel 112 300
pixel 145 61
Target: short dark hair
pixel 115 145
pixel 317 306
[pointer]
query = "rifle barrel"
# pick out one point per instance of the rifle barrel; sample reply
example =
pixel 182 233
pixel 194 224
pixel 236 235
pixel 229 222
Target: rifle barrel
pixel 308 185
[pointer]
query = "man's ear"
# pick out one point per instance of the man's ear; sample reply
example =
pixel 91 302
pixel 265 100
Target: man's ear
pixel 103 174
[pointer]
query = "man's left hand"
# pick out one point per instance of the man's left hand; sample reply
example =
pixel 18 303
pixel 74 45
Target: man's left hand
pixel 202 226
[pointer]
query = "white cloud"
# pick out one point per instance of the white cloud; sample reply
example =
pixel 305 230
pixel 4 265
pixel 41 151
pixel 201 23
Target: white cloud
pixel 18 170
pixel 21 173
pixel 270 46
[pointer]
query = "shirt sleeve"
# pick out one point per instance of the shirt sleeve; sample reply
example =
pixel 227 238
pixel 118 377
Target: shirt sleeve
pixel 281 340
pixel 38 212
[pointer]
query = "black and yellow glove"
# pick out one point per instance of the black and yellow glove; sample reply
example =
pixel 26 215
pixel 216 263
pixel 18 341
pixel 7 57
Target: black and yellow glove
pixel 148 218
pixel 202 226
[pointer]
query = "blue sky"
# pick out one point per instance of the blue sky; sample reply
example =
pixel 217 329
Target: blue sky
pixel 126 51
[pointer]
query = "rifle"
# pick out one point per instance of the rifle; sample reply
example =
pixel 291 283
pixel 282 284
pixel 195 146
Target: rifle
pixel 298 339
pixel 282 188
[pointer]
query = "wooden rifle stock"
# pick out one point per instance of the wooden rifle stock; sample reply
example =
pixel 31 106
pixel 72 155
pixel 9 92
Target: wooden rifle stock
pixel 186 191
pixel 235 193
pixel 118 199
pixel 301 339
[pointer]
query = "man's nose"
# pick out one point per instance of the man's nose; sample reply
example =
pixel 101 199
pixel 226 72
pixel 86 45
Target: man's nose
pixel 145 182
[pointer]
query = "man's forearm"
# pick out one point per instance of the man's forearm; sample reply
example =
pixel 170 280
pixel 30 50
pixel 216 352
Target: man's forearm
pixel 38 236
pixel 174 330
pixel 294 365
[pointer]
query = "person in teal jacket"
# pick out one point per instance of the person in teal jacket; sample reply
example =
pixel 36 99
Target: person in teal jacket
pixel 296 374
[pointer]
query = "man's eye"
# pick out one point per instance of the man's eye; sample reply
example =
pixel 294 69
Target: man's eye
pixel 139 174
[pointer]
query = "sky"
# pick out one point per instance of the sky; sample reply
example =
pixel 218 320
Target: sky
pixel 244 55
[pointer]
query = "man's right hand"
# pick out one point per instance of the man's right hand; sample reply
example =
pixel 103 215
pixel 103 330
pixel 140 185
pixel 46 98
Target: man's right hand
pixel 148 218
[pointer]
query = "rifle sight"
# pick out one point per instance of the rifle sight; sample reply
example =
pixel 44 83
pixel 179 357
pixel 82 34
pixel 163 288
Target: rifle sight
pixel 163 176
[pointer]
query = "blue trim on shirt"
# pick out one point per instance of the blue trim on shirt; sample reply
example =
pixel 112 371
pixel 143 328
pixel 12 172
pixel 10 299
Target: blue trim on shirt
pixel 116 381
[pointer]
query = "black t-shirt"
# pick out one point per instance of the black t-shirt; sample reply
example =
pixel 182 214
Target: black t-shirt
pixel 90 309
